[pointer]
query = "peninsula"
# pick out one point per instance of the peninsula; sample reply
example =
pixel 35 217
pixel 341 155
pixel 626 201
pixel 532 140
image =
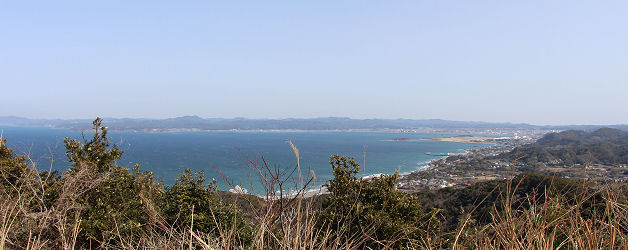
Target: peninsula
pixel 471 139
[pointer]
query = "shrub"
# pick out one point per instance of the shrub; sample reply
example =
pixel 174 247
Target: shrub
pixel 13 168
pixel 192 203
pixel 107 200
pixel 374 207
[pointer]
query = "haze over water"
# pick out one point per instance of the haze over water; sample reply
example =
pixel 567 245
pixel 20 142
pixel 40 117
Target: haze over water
pixel 168 154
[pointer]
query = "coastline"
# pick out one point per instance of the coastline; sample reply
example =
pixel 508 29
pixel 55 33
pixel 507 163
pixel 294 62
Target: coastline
pixel 470 139
pixel 320 190
pixel 453 170
pixel 408 181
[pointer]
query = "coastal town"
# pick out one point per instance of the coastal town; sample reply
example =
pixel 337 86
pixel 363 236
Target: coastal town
pixel 461 169
pixel 489 163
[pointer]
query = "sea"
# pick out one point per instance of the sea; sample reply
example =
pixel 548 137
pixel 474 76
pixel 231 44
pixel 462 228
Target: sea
pixel 233 158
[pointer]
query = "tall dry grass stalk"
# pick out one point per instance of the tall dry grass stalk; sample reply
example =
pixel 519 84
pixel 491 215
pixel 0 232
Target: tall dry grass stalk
pixel 286 215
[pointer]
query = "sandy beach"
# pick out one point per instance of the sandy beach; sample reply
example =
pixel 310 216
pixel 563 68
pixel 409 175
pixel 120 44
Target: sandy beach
pixel 466 139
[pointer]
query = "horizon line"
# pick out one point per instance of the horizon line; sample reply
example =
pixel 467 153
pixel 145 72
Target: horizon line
pixel 312 118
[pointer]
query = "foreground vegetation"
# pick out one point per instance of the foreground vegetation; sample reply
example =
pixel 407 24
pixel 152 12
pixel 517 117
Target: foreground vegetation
pixel 98 204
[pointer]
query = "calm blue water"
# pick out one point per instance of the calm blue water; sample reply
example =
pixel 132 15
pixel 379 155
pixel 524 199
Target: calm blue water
pixel 167 154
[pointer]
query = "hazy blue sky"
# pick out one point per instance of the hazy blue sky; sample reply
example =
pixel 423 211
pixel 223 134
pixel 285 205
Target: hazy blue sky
pixel 541 62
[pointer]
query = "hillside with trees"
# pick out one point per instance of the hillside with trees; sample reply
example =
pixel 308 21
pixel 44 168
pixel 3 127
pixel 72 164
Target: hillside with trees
pixel 603 146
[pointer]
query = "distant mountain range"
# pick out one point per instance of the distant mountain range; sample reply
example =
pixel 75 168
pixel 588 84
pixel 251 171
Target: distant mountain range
pixel 195 123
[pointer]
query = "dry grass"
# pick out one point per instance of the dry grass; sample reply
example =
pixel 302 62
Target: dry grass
pixel 552 224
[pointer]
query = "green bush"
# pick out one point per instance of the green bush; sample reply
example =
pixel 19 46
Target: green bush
pixel 192 203
pixel 111 199
pixel 374 207
pixel 13 168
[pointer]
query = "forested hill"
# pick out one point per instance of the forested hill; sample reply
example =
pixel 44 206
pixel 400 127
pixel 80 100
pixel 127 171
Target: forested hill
pixel 603 146
pixel 579 138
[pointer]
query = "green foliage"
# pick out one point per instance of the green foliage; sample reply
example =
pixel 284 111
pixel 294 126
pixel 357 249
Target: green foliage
pixel 191 202
pixel 98 152
pixel 111 198
pixel 12 168
pixel 17 178
pixel 375 207
pixel 118 202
